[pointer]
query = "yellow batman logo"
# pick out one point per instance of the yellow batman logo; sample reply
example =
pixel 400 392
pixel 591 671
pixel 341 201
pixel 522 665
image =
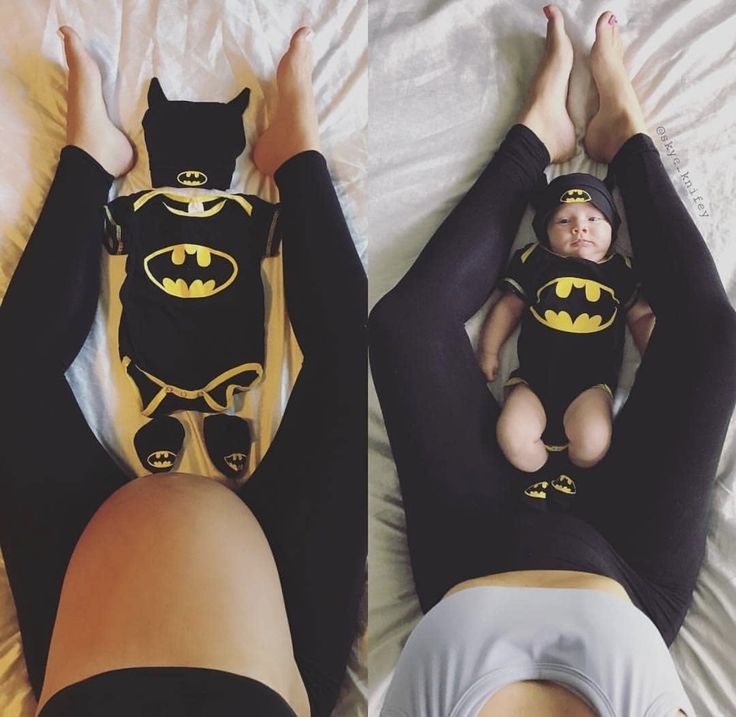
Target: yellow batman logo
pixel 191 178
pixel 537 490
pixel 561 308
pixel 236 461
pixel 205 274
pixel 564 484
pixel 161 459
pixel 573 196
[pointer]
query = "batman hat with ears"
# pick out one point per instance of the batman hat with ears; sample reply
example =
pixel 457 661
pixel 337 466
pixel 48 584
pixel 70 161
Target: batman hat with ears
pixel 193 144
pixel 573 189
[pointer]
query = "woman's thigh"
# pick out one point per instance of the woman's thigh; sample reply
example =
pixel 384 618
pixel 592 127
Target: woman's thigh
pixel 651 493
pixel 173 570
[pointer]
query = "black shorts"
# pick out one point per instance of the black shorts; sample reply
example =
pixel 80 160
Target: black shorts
pixel 167 692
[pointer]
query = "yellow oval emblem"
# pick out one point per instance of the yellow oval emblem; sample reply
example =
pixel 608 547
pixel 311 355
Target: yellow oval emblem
pixel 191 178
pixel 200 288
pixel 572 196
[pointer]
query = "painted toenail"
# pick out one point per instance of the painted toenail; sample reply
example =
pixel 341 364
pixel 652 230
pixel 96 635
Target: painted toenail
pixel 612 20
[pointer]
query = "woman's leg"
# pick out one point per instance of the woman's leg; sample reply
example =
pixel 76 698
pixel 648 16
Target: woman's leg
pixel 309 493
pixel 653 488
pixel 438 412
pixel 53 471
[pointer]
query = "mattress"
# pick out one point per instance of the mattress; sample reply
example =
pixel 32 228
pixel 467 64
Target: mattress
pixel 447 81
pixel 206 51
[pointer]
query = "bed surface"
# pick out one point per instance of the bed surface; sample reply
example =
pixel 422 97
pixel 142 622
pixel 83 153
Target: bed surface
pixel 205 51
pixel 451 79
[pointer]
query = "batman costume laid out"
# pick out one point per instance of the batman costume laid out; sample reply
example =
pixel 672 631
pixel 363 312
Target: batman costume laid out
pixel 572 328
pixel 192 328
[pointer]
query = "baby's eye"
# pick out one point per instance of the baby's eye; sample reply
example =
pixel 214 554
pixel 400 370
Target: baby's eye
pixel 595 219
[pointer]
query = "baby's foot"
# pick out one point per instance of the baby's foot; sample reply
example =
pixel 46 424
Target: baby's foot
pixel 87 123
pixel 546 108
pixel 294 128
pixel 619 115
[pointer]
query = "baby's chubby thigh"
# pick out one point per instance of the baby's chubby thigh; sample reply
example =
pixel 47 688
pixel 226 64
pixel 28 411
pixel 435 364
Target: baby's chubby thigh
pixel 588 423
pixel 519 429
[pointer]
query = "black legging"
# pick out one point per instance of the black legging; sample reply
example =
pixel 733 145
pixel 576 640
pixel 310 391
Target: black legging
pixel 308 493
pixel 643 518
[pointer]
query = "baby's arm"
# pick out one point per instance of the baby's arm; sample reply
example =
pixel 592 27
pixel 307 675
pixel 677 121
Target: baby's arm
pixel 502 319
pixel 641 322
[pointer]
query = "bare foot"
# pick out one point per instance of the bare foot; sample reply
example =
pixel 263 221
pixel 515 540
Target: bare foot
pixel 619 115
pixel 546 108
pixel 294 128
pixel 87 123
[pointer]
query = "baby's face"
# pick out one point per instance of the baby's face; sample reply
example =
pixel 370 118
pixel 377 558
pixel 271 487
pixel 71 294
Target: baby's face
pixel 579 230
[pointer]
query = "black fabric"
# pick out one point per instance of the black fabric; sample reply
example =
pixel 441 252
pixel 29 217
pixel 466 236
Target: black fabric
pixel 167 692
pixel 317 459
pixel 158 443
pixel 573 188
pixel 643 518
pixel 572 328
pixel 228 443
pixel 192 328
pixel 193 144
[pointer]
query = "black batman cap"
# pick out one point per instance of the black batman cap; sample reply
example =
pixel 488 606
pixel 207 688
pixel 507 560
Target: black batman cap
pixel 571 189
pixel 193 144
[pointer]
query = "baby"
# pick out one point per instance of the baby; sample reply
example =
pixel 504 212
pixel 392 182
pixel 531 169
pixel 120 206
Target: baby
pixel 571 293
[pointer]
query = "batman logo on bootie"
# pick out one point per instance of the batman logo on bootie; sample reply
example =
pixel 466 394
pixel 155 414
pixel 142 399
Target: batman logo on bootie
pixel 573 196
pixel 161 460
pixel 190 271
pixel 575 305
pixel 236 461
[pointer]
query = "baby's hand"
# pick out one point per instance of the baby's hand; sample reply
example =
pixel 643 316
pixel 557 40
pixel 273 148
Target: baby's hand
pixel 489 365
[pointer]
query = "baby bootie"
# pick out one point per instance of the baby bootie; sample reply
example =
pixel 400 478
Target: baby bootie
pixel 228 443
pixel 562 492
pixel 158 443
pixel 535 495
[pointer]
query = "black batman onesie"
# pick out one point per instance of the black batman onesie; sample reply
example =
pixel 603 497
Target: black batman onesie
pixel 572 329
pixel 192 328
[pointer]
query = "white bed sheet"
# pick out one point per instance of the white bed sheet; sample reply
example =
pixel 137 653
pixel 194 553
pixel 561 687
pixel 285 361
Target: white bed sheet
pixel 447 81
pixel 200 51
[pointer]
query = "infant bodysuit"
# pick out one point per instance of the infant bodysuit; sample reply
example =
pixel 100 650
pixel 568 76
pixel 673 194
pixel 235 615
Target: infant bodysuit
pixel 572 328
pixel 192 328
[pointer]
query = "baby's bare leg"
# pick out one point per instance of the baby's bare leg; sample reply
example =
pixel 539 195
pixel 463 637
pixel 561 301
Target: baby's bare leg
pixel 294 128
pixel 588 426
pixel 519 429
pixel 619 115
